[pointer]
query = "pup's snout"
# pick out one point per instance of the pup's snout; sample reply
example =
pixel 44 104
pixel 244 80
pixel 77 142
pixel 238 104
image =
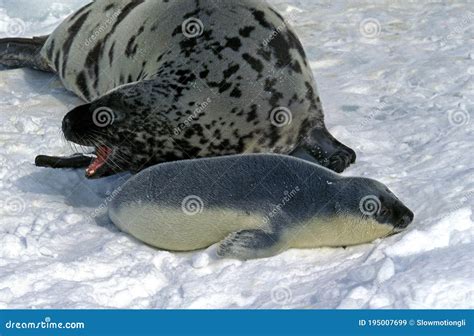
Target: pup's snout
pixel 406 220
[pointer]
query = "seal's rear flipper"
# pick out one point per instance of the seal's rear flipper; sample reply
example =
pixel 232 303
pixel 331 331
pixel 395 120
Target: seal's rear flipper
pixel 23 52
pixel 75 161
pixel 249 244
pixel 326 151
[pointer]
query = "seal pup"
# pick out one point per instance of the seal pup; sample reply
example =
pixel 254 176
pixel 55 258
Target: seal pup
pixel 173 80
pixel 254 206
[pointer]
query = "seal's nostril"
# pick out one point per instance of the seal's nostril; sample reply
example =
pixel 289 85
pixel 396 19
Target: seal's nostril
pixel 66 126
pixel 405 221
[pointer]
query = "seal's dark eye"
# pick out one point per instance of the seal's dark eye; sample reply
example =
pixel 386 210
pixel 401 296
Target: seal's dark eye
pixel 385 212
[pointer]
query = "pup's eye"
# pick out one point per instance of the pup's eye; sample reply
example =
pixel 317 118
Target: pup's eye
pixel 385 212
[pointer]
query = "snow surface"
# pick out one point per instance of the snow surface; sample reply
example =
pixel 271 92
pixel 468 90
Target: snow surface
pixel 398 89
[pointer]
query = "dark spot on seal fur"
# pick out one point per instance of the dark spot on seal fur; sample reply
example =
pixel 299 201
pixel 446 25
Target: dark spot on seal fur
pixel 234 43
pixel 80 11
pixel 111 54
pixel 81 83
pixel 109 7
pixel 246 31
pixel 236 93
pixel 260 17
pixel 97 52
pixel 231 70
pixel 255 63
pixel 72 31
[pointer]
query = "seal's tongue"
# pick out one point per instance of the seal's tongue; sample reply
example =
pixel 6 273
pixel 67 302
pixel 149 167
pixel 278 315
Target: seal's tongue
pixel 103 153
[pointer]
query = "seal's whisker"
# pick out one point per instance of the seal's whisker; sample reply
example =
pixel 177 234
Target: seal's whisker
pixel 111 159
pixel 95 132
pixel 72 146
pixel 122 156
pixel 391 232
pixel 114 163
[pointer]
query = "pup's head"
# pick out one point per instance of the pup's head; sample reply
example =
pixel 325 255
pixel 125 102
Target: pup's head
pixel 376 201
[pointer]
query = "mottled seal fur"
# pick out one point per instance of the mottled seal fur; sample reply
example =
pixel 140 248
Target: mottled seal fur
pixel 254 206
pixel 172 80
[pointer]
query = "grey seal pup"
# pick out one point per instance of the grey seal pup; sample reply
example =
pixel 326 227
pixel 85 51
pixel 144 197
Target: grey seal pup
pixel 254 206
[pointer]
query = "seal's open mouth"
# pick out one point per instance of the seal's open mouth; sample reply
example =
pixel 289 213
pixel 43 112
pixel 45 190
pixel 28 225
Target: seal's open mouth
pixel 98 166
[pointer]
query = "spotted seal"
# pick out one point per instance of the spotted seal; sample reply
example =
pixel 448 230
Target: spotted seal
pixel 172 80
pixel 254 206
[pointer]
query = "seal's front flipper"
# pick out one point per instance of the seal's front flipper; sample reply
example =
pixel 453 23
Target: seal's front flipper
pixel 249 244
pixel 326 150
pixel 23 52
pixel 75 161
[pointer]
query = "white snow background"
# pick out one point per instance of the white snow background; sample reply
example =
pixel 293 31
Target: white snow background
pixel 396 81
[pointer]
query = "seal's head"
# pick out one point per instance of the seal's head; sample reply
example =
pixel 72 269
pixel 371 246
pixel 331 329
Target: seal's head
pixel 346 211
pixel 118 136
pixel 376 202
